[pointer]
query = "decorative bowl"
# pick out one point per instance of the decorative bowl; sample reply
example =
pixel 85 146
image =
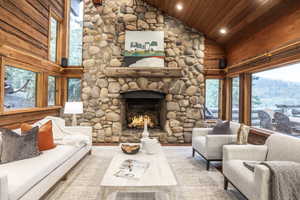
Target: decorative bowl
pixel 130 148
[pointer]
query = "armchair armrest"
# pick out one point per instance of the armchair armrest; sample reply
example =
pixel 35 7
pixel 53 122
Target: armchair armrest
pixel 262 180
pixel 3 187
pixel 245 152
pixel 80 130
pixel 200 131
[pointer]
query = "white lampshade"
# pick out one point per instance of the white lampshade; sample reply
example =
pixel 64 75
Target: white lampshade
pixel 73 108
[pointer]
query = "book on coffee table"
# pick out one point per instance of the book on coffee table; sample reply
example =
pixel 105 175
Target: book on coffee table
pixel 132 169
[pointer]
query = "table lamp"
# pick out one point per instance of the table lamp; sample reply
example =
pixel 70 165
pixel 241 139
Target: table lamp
pixel 73 108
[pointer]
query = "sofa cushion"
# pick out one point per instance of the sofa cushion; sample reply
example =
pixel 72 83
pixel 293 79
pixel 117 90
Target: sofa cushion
pixel 240 176
pixel 283 148
pixel 18 147
pixel 45 135
pixel 34 169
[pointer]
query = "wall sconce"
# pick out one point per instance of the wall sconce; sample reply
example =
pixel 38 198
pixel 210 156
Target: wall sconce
pixel 98 2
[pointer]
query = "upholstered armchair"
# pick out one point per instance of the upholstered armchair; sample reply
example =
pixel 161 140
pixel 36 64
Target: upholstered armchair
pixel 255 185
pixel 210 147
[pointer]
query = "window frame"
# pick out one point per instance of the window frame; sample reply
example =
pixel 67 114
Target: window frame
pixel 12 63
pixel 59 36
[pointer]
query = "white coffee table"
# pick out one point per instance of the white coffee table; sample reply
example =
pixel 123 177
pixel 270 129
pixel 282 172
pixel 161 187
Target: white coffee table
pixel 158 178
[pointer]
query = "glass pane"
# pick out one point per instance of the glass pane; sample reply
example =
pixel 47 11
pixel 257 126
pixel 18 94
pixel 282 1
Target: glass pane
pixel 276 99
pixel 53 39
pixel 212 98
pixel 51 90
pixel 74 88
pixel 20 88
pixel 235 99
pixel 76 33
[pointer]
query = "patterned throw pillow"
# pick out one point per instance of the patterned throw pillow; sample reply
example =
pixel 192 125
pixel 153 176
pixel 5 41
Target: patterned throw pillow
pixel 242 135
pixel 18 147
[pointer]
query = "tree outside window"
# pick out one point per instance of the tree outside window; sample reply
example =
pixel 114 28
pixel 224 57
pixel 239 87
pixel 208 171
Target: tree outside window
pixel 51 90
pixel 74 89
pixel 19 88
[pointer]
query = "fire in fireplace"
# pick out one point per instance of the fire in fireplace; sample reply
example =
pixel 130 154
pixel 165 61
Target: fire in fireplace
pixel 139 121
pixel 143 105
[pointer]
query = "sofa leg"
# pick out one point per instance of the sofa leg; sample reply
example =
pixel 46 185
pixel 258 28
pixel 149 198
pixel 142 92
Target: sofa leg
pixel 225 183
pixel 207 165
pixel 193 152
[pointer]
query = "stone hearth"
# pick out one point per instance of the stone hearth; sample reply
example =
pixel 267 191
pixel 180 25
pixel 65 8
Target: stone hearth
pixel 105 79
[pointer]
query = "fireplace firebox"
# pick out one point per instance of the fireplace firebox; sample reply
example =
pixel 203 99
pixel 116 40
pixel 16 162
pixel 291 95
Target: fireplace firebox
pixel 139 106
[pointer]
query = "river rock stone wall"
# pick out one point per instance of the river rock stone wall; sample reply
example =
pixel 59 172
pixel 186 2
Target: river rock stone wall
pixel 104 41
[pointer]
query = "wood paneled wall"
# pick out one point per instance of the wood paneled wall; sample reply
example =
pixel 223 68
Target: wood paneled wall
pixel 24 38
pixel 213 52
pixel 281 29
pixel 24 24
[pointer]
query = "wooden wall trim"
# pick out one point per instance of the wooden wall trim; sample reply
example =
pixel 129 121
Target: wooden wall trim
pixel 26 58
pixel 283 55
pixel 15 119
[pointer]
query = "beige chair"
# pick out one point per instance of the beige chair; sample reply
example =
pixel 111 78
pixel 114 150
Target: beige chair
pixel 210 147
pixel 255 185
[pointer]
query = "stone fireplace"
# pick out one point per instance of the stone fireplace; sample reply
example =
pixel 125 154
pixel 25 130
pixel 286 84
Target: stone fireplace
pixel 138 106
pixel 117 99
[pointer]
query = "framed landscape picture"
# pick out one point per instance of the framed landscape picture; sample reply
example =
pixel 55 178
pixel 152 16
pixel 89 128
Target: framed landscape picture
pixel 144 49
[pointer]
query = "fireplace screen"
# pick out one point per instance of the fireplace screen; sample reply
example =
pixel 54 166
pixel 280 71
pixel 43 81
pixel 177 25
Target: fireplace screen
pixel 139 110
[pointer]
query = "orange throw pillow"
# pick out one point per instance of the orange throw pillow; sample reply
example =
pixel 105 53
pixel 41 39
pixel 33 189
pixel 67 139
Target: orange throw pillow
pixel 45 135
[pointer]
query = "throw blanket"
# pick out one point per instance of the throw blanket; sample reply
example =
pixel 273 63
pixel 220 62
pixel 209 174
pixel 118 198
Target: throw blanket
pixel 63 136
pixel 285 180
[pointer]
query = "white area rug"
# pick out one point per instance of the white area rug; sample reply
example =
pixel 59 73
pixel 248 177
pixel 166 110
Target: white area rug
pixel 194 182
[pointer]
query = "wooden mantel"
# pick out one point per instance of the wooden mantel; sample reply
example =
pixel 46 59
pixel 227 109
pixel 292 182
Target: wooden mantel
pixel 143 72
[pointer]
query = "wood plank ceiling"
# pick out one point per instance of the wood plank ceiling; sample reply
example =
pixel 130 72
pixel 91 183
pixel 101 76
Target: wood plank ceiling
pixel 209 16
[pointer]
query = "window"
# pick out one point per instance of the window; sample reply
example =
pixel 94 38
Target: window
pixel 275 99
pixel 76 33
pixel 74 88
pixel 235 99
pixel 212 98
pixel 53 39
pixel 51 90
pixel 20 88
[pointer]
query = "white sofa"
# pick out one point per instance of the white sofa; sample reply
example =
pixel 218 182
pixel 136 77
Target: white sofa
pixel 210 147
pixel 255 185
pixel 30 179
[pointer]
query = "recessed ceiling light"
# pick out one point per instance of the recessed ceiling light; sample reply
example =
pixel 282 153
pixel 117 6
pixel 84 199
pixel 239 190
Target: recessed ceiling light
pixel 179 6
pixel 223 31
